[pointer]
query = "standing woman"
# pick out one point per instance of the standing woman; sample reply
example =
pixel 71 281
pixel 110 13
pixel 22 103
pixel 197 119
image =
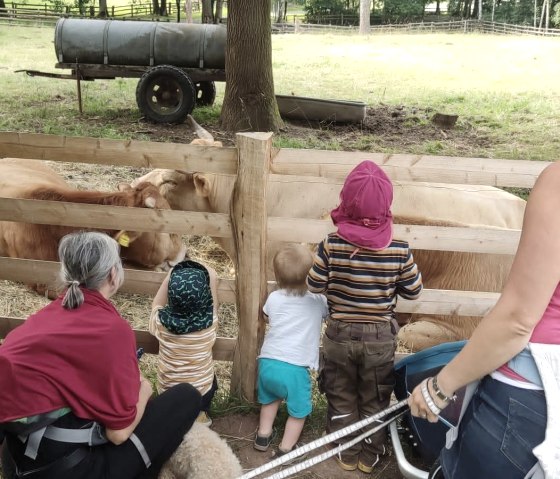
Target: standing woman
pixel 73 403
pixel 516 351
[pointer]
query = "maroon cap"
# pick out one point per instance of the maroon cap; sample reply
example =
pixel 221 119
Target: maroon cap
pixel 364 215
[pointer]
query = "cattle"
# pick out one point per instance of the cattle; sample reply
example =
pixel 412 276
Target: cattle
pixel 414 203
pixel 29 179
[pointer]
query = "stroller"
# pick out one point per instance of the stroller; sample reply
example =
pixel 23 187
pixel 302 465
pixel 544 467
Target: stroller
pixel 424 438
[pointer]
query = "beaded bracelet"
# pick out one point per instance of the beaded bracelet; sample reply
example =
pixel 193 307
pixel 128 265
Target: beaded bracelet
pixel 429 401
pixel 439 393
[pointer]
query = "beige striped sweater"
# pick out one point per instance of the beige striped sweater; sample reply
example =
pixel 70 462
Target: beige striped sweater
pixel 184 358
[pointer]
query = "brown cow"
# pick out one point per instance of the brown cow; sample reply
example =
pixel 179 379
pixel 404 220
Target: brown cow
pixel 414 203
pixel 29 179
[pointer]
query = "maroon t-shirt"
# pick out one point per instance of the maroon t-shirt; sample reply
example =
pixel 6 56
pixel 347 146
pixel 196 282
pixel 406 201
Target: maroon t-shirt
pixel 84 359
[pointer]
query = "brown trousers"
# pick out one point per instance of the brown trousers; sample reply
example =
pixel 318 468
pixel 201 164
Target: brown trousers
pixel 357 377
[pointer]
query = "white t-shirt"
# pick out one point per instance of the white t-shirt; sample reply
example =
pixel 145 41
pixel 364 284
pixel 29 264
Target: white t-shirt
pixel 294 328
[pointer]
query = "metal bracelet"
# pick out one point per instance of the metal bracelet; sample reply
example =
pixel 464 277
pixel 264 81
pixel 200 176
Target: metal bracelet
pixel 439 393
pixel 428 398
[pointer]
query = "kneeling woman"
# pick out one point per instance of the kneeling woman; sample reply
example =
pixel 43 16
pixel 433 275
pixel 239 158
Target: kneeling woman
pixel 73 403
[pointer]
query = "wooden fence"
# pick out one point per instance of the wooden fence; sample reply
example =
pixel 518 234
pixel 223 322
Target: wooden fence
pixel 255 161
pixel 48 13
pixel 452 26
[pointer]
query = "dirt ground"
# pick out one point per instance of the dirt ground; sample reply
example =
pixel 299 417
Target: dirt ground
pixel 239 430
pixel 395 127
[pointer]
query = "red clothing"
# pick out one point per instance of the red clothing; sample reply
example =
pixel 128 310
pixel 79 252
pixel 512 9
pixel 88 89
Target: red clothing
pixel 83 358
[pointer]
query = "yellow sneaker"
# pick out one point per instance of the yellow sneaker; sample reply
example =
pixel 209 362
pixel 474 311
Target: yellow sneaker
pixel 204 419
pixel 344 465
pixel 367 468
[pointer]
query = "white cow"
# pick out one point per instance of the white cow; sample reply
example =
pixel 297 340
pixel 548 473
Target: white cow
pixel 414 203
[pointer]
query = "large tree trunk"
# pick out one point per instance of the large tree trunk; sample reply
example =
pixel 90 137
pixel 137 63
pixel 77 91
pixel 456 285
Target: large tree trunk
pixel 249 101
pixel 155 7
pixel 365 9
pixel 219 11
pixel 3 8
pixel 103 12
pixel 188 11
pixel 279 12
pixel 207 16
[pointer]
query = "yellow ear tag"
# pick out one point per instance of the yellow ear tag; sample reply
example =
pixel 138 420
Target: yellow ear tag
pixel 124 240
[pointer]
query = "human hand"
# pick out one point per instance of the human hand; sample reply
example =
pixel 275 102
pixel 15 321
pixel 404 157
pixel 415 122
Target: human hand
pixel 145 388
pixel 424 403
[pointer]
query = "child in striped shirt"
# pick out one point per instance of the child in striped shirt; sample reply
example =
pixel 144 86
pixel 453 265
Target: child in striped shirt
pixel 362 269
pixel 184 319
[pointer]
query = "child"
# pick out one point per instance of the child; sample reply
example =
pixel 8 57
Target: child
pixel 290 348
pixel 184 319
pixel 362 269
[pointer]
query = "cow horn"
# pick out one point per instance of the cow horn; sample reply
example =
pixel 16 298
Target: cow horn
pixel 200 132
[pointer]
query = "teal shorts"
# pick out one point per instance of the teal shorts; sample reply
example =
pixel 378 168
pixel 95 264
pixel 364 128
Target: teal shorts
pixel 280 380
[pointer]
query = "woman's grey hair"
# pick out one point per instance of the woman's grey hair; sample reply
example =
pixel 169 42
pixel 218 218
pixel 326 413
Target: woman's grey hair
pixel 86 260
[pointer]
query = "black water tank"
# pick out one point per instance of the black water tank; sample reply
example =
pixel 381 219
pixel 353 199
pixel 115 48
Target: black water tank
pixel 137 43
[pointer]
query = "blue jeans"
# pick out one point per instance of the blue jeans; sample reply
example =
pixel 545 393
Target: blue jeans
pixel 498 432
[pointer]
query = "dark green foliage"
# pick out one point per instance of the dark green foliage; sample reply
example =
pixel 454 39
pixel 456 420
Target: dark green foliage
pixel 555 19
pixel 399 11
pixel 326 7
pixel 519 12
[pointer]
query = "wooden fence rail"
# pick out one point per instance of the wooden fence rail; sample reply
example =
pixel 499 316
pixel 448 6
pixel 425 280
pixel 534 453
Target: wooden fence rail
pixel 256 164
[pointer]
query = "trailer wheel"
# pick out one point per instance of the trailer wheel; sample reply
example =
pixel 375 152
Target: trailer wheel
pixel 205 93
pixel 165 94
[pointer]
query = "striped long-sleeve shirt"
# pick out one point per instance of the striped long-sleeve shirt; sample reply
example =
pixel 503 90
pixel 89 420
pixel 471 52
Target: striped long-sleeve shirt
pixel 184 358
pixel 362 285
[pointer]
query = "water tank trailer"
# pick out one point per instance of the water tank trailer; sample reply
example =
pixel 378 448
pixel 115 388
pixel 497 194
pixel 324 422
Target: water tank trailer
pixel 177 63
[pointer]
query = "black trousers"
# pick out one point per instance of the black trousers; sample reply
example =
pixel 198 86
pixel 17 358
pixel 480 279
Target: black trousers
pixel 167 418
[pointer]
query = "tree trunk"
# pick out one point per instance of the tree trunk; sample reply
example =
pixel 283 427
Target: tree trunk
pixel 249 101
pixel 163 8
pixel 467 9
pixel 155 7
pixel 219 11
pixel 188 11
pixel 103 12
pixel 438 10
pixel 280 12
pixel 207 16
pixel 365 8
pixel 474 12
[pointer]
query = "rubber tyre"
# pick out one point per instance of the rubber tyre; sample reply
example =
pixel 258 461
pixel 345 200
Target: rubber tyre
pixel 165 94
pixel 436 471
pixel 205 93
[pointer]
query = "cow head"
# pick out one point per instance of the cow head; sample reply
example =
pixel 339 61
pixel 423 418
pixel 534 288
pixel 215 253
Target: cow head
pixel 183 191
pixel 159 251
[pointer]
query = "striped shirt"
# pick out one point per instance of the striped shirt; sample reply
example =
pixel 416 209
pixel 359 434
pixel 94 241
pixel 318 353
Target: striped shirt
pixel 362 285
pixel 184 358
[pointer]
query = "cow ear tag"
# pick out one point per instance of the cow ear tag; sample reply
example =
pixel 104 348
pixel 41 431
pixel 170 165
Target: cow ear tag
pixel 124 239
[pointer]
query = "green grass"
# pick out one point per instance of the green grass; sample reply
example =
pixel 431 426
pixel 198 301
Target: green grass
pixel 503 88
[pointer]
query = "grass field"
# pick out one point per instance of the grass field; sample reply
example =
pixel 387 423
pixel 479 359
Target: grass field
pixel 504 88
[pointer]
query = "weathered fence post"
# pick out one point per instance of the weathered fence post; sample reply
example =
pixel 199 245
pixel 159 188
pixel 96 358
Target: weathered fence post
pixel 249 223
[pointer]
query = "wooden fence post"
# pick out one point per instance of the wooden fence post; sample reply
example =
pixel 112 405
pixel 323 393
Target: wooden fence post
pixel 249 223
